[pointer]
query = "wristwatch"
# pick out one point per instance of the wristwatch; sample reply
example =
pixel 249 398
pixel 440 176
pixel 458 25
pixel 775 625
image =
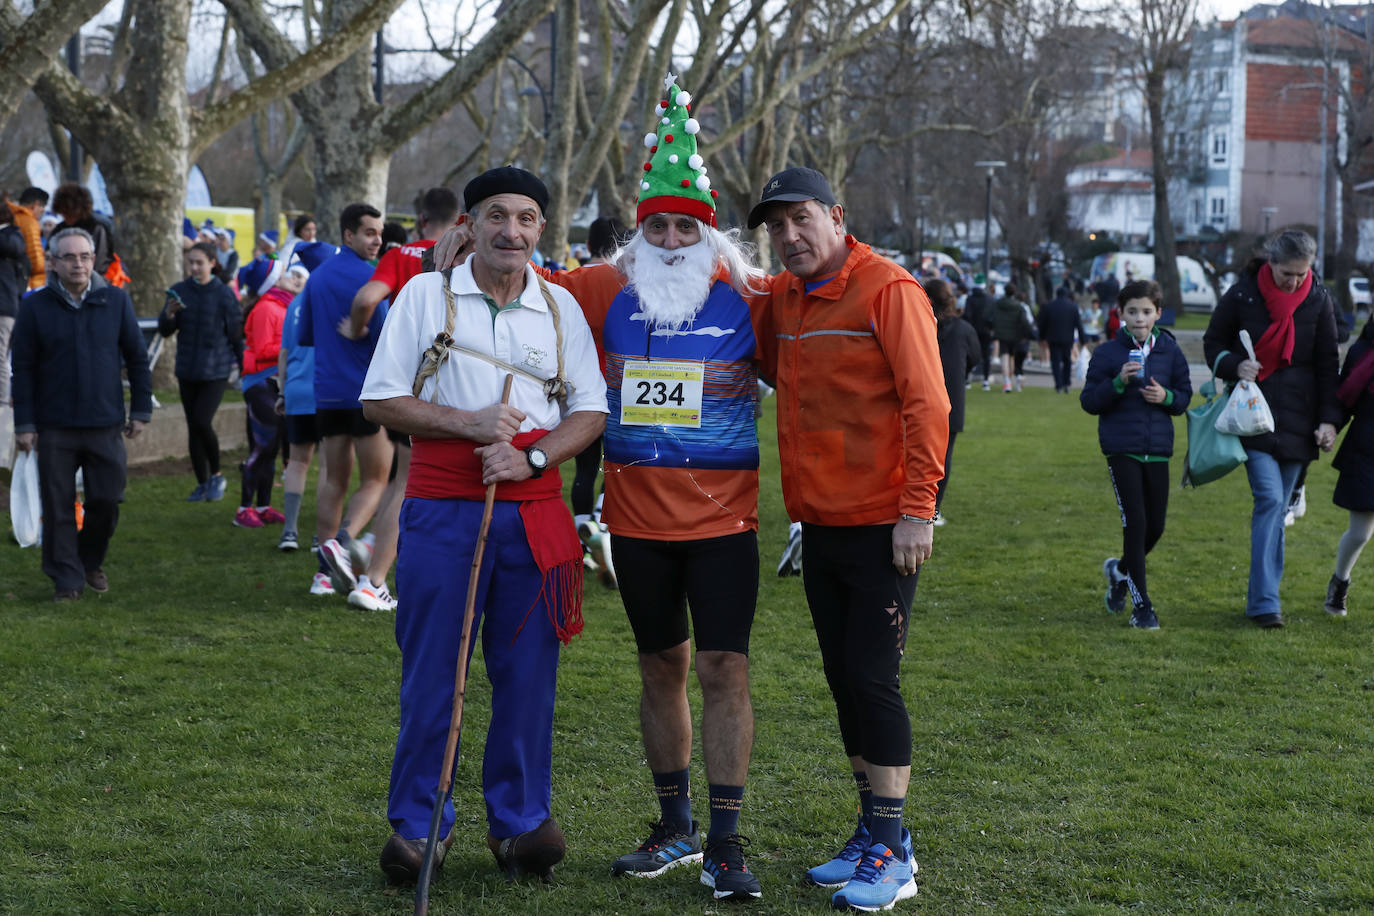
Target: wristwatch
pixel 539 461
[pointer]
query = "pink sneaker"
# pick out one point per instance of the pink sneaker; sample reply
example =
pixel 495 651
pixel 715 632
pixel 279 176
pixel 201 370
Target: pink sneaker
pixel 271 516
pixel 247 518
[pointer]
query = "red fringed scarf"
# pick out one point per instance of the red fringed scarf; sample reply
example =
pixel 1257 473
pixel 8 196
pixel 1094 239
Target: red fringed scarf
pixel 450 469
pixel 1275 347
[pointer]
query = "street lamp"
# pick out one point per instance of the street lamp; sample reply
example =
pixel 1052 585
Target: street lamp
pixel 992 165
pixel 536 89
pixel 1268 212
pixel 921 201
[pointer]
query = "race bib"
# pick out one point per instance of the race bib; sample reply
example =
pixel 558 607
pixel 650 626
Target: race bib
pixel 661 392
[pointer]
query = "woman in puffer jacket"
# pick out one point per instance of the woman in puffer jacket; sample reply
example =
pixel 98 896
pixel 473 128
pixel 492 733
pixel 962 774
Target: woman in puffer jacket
pixel 1292 325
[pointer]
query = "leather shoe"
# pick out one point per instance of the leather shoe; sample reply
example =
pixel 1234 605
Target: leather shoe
pixel 1268 621
pixel 402 859
pixel 67 594
pixel 534 852
pixel 95 578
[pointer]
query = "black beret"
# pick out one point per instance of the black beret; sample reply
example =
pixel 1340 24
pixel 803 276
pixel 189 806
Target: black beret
pixel 506 180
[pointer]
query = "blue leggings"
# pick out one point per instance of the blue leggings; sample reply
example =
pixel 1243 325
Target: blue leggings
pixel 437 540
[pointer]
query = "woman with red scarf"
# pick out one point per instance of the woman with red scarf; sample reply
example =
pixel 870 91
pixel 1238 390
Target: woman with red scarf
pixel 1355 460
pixel 1290 317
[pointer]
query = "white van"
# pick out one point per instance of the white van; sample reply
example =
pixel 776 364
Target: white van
pixel 1196 289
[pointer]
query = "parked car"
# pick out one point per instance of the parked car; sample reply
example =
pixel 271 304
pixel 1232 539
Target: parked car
pixel 1196 290
pixel 1360 295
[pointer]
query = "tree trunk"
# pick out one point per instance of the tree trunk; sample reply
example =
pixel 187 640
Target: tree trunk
pixel 1344 262
pixel 1166 257
pixel 348 170
pixel 563 198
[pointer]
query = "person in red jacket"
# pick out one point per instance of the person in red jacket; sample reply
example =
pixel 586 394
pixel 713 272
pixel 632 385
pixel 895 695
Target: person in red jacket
pixel 849 339
pixel 262 345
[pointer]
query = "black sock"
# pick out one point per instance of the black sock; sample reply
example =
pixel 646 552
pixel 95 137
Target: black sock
pixel 885 825
pixel 865 796
pixel 674 798
pixel 725 804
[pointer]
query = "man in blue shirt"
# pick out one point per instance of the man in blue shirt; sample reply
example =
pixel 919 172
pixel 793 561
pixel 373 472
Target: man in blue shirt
pixel 340 366
pixel 71 341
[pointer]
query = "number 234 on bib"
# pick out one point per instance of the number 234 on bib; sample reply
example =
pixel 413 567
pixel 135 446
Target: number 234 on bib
pixel 663 392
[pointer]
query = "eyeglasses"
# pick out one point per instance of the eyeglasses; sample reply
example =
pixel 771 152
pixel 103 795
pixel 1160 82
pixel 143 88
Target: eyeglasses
pixel 84 258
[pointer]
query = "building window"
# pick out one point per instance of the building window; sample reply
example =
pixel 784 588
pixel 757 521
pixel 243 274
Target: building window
pixel 1220 86
pixel 1218 211
pixel 1197 210
pixel 1219 140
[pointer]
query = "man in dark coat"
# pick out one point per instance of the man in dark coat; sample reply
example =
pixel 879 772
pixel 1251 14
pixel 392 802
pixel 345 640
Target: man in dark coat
pixel 978 312
pixel 1060 326
pixel 71 340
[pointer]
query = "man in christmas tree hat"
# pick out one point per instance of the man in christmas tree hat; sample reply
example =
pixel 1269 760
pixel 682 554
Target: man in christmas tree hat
pixel 682 493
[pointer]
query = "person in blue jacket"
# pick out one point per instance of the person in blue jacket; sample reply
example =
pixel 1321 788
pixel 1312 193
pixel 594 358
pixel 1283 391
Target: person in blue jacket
pixel 1137 383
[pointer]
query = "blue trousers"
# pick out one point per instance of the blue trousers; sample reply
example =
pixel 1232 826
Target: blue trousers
pixel 1271 484
pixel 437 540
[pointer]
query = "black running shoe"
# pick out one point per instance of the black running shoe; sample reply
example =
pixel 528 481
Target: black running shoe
pixel 723 870
pixel 1117 588
pixel 665 848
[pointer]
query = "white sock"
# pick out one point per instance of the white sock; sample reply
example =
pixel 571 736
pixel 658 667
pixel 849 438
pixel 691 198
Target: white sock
pixel 364 581
pixel 369 539
pixel 579 519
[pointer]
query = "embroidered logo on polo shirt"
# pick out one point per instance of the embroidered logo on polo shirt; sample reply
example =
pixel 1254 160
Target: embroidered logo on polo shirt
pixel 534 357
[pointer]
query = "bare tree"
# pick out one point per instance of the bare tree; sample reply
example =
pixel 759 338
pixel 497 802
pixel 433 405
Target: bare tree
pixel 146 133
pixel 353 134
pixel 1344 72
pixel 1163 31
pixel 28 44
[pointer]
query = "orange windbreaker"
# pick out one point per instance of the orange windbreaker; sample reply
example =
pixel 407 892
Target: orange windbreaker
pixel 33 243
pixel 863 417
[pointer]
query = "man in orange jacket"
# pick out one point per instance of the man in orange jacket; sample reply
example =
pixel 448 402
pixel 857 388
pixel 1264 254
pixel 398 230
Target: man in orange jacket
pixel 849 339
pixel 27 212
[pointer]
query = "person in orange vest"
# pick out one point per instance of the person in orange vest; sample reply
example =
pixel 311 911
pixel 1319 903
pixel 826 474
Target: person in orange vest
pixel 27 213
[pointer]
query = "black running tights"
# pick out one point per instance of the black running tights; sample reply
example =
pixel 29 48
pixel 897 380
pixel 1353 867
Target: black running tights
pixel 199 401
pixel 861 606
pixel 1142 495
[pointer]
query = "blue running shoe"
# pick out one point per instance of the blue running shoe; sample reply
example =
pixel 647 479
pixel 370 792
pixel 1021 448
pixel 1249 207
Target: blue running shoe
pixel 664 849
pixel 215 487
pixel 1117 587
pixel 199 494
pixel 723 870
pixel 838 871
pixel 879 881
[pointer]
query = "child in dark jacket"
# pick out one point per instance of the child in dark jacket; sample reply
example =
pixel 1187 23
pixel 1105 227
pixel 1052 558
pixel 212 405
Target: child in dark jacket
pixel 1137 383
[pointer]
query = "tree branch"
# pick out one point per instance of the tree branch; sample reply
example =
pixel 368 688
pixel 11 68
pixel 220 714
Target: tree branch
pixel 284 76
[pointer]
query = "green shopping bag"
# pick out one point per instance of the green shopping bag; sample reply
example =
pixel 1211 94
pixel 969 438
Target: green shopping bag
pixel 1211 455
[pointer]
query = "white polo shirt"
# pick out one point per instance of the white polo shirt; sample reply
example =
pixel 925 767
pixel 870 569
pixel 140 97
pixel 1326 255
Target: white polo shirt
pixel 522 336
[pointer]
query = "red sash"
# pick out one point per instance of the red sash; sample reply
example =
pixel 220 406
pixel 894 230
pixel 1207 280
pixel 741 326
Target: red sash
pixel 450 469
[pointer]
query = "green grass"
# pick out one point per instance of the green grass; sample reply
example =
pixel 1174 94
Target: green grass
pixel 207 738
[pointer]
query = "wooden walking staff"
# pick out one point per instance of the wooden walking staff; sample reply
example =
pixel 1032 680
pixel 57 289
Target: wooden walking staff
pixel 460 682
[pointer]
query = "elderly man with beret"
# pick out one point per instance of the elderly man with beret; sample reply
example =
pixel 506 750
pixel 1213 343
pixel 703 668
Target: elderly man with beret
pixel 501 319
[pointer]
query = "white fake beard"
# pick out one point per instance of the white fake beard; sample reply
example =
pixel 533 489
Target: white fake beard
pixel 672 286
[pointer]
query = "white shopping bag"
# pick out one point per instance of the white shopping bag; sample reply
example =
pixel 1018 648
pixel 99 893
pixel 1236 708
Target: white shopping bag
pixel 1247 412
pixel 1080 365
pixel 26 511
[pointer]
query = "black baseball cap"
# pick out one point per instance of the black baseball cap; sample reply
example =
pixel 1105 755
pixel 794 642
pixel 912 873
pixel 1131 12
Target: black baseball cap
pixel 789 186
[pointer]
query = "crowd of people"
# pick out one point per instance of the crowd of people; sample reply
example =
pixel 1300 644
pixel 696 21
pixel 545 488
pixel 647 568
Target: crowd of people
pixel 450 367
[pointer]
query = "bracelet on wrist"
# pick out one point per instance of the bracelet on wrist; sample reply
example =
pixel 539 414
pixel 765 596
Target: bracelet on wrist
pixel 921 521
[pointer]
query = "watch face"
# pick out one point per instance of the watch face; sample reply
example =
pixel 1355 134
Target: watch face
pixel 538 458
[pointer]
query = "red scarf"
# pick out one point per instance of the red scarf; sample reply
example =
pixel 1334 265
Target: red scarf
pixel 449 469
pixel 1275 348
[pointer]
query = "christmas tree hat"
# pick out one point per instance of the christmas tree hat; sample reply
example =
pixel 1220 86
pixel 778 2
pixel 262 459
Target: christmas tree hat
pixel 674 179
